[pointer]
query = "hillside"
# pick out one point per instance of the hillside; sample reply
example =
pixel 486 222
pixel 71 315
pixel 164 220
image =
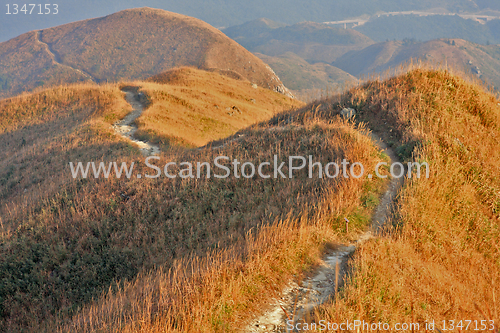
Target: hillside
pixel 137 254
pixel 128 45
pixel 195 107
pixel 438 262
pixel 483 61
pixel 441 260
pixel 65 241
pixel 308 81
pixel 190 108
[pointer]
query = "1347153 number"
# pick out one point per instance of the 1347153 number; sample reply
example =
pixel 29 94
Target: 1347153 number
pixel 469 325
pixel 32 8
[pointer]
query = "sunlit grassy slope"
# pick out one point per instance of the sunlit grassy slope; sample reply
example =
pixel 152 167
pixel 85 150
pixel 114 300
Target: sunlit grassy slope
pixel 195 107
pixel 41 133
pixel 442 261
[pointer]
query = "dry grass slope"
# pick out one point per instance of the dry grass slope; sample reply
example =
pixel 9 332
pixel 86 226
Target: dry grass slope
pixel 442 260
pixel 194 107
pixel 236 242
pixel 42 132
pixel 59 250
pixel 205 255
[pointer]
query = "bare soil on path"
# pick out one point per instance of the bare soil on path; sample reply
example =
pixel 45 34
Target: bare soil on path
pixel 126 127
pixel 296 301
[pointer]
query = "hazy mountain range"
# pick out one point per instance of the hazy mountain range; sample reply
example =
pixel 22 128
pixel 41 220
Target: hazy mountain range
pixel 425 28
pixel 225 13
pixel 309 56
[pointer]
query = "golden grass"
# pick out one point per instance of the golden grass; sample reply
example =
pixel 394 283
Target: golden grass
pixel 221 290
pixel 195 107
pixel 43 131
pixel 63 243
pixel 207 255
pixel 442 261
pixel 26 65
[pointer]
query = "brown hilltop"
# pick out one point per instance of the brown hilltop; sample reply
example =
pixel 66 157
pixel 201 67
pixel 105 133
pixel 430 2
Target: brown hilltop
pixel 131 44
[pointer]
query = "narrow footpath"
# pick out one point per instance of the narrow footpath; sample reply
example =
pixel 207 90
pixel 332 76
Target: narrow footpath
pixel 296 301
pixel 56 59
pixel 126 127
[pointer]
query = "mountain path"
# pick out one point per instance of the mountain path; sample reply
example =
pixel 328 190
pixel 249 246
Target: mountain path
pixel 126 127
pixel 57 59
pixel 296 301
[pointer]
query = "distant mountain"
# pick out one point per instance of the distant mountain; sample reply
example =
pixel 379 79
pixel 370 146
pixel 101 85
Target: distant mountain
pixel 301 54
pixel 308 81
pixel 483 61
pixel 425 28
pixel 253 33
pixel 312 41
pixel 128 45
pixel 225 13
pixel 261 31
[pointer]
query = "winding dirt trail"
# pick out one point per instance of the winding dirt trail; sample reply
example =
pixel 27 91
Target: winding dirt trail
pixel 56 58
pixel 296 301
pixel 126 127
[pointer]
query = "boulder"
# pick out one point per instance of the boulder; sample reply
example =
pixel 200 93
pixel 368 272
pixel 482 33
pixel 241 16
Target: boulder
pixel 348 113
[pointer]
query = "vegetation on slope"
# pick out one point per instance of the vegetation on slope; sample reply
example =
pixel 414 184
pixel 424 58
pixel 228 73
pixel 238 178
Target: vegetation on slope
pixel 26 65
pixel 206 254
pixel 442 260
pixel 42 132
pixel 194 107
pixel 262 232
pixel 65 241
pixel 77 243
